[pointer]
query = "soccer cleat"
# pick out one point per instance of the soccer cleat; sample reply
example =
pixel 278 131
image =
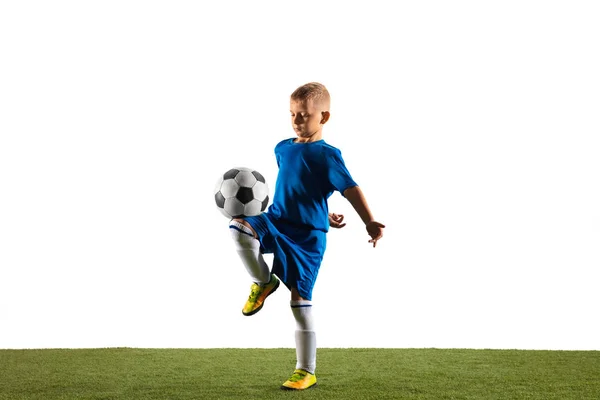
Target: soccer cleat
pixel 300 380
pixel 258 294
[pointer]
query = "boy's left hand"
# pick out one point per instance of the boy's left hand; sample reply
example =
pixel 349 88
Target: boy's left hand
pixel 375 230
pixel 335 220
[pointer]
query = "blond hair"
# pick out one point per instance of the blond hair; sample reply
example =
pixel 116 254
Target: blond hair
pixel 314 91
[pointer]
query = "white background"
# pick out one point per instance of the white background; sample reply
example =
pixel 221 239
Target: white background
pixel 473 128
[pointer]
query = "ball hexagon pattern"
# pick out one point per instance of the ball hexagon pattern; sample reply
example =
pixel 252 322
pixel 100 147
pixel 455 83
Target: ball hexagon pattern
pixel 241 192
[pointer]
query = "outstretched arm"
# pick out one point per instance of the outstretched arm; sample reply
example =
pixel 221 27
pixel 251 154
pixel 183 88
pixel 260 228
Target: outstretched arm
pixel 356 197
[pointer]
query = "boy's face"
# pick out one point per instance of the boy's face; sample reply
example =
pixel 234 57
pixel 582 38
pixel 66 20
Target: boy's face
pixel 307 119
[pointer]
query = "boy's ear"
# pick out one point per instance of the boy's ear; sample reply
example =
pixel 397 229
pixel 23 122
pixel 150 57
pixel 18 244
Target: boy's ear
pixel 325 115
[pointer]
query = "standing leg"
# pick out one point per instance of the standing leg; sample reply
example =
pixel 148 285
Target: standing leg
pixel 306 345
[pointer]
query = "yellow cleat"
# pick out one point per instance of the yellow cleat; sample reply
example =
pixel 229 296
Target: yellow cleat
pixel 300 380
pixel 258 295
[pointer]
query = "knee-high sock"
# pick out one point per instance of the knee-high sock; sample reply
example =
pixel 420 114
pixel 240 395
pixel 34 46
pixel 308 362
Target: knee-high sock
pixel 249 250
pixel 306 341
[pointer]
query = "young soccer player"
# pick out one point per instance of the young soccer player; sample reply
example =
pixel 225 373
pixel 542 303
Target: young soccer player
pixel 294 227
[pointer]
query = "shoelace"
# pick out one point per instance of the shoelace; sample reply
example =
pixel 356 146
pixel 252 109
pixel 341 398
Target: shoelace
pixel 254 292
pixel 297 376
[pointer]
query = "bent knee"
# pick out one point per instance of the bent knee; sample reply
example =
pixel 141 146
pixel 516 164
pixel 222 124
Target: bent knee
pixel 247 225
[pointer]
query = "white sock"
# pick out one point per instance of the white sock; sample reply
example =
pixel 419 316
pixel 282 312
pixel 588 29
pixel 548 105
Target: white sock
pixel 249 250
pixel 306 340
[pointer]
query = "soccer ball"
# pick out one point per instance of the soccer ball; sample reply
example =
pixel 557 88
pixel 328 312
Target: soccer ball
pixel 241 192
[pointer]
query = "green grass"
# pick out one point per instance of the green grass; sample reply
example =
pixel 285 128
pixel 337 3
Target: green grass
pixel 256 374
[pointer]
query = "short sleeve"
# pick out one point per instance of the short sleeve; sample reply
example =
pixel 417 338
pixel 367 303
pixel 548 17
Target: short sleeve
pixel 338 174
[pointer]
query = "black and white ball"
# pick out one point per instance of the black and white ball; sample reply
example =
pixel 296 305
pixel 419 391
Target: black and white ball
pixel 241 192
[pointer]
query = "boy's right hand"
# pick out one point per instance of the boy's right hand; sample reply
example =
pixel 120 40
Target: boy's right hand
pixel 375 230
pixel 335 220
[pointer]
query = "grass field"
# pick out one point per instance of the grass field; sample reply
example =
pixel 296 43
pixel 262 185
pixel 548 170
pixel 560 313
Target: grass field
pixel 256 374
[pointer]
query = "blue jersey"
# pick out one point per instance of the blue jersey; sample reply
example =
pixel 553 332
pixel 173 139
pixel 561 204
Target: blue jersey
pixel 295 226
pixel 308 175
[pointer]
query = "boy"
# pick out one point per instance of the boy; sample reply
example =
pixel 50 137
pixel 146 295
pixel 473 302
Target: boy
pixel 295 225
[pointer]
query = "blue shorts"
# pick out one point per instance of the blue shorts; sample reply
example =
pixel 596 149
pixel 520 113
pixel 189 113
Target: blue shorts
pixel 297 252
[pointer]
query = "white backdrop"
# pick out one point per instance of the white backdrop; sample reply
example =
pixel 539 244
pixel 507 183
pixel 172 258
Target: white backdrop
pixel 472 127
